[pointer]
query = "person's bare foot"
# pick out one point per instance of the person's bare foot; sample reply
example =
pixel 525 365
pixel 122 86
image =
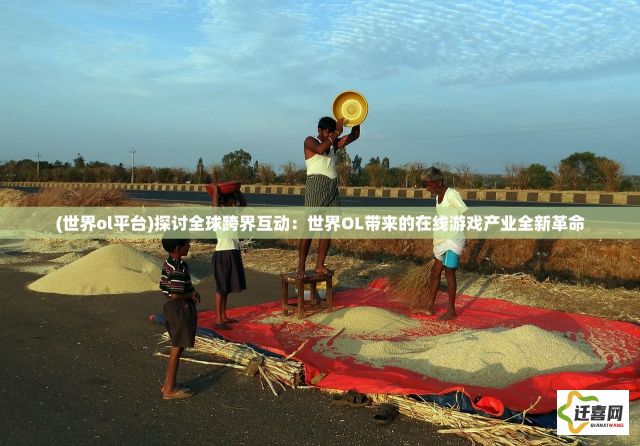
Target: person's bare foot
pixel 449 315
pixel 300 273
pixel 428 310
pixel 162 390
pixel 323 270
pixel 228 320
pixel 177 394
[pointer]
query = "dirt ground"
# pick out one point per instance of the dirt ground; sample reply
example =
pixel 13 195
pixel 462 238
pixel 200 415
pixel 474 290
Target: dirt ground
pixel 351 271
pixel 37 257
pixel 596 277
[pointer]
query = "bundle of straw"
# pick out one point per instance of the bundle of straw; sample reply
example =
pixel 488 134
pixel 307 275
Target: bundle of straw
pixel 12 198
pixel 412 286
pixel 286 371
pixel 477 429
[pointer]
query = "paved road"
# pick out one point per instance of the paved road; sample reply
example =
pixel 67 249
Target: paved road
pixel 298 200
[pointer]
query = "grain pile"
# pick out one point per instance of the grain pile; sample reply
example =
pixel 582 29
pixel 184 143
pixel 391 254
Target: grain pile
pixel 366 321
pixel 113 269
pixel 489 358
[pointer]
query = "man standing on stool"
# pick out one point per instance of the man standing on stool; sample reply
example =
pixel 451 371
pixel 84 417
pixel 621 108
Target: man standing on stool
pixel 321 189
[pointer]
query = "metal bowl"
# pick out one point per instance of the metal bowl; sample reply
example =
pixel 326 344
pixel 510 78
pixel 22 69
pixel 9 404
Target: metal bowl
pixel 351 106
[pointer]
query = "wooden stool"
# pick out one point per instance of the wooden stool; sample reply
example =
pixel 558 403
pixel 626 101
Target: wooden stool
pixel 312 278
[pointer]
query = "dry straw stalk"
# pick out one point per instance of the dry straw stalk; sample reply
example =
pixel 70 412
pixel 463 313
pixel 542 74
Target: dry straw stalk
pixel 288 372
pixel 477 429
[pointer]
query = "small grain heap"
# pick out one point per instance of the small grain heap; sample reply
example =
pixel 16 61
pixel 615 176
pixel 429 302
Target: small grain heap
pixel 113 269
pixel 366 321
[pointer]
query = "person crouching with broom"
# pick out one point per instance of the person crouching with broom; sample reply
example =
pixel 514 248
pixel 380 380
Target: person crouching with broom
pixel 447 250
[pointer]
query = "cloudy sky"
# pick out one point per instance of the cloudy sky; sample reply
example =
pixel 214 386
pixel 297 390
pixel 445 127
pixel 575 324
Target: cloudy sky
pixel 485 83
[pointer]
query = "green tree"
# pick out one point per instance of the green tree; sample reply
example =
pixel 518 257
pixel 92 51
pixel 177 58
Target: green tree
pixel 538 176
pixel 25 170
pixel 290 173
pixel 626 184
pixel 394 177
pixel 264 173
pixel 356 166
pixel 580 171
pixel 237 166
pixel 78 161
pixel 120 173
pixel 343 167
pixel 610 172
pixel 358 176
pixel 377 171
pixel 164 175
pixel 200 175
pixel 413 174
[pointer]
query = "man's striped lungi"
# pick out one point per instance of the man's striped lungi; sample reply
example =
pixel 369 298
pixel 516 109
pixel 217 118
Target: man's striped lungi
pixel 321 191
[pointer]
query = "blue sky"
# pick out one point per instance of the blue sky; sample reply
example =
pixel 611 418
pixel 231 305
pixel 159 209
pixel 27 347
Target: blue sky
pixel 484 83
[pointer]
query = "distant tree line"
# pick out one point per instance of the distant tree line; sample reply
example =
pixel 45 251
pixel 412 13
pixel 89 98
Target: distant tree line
pixel 579 171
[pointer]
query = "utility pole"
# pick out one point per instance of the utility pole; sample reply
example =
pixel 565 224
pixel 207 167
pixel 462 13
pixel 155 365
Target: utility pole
pixel 38 167
pixel 133 158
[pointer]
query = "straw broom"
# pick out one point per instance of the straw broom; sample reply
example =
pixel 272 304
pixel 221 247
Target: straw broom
pixel 412 286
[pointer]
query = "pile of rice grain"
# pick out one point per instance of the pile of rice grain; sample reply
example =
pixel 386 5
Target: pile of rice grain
pixel 113 269
pixel 488 358
pixel 366 321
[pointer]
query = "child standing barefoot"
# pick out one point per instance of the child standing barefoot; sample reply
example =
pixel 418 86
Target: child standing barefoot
pixel 179 311
pixel 228 270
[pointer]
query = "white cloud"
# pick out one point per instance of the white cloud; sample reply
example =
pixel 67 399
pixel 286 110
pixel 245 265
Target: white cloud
pixel 249 67
pixel 309 45
pixel 488 41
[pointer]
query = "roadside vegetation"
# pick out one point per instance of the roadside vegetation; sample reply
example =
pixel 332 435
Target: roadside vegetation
pixel 578 171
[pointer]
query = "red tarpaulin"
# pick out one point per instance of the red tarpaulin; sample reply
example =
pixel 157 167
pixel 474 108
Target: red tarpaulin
pixel 618 343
